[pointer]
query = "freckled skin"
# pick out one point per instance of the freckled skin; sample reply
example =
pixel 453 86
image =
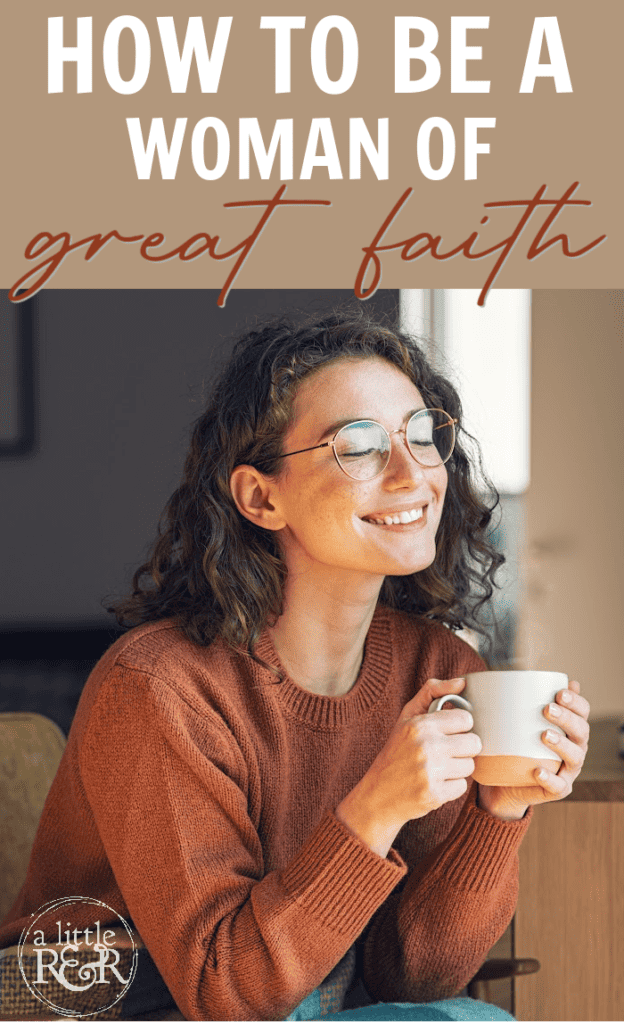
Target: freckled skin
pixel 323 508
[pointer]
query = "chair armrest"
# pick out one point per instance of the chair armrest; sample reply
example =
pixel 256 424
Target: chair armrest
pixel 509 967
pixel 496 969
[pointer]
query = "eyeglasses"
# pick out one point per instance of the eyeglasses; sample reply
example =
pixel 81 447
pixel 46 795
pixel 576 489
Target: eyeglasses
pixel 362 449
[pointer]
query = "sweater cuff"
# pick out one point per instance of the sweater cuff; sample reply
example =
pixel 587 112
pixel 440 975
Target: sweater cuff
pixel 338 879
pixel 476 855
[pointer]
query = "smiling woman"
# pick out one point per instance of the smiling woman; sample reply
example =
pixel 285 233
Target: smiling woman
pixel 292 385
pixel 342 547
pixel 285 824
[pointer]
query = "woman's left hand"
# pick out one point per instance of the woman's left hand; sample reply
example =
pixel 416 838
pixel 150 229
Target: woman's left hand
pixel 570 713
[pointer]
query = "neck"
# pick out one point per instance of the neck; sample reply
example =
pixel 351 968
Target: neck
pixel 320 636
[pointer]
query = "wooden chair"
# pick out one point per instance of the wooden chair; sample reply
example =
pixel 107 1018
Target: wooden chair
pixel 32 747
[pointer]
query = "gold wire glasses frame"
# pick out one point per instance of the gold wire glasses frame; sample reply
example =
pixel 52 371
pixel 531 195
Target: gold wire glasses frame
pixel 449 422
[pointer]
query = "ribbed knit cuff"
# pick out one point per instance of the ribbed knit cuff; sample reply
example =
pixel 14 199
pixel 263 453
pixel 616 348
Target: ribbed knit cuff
pixel 338 879
pixel 477 853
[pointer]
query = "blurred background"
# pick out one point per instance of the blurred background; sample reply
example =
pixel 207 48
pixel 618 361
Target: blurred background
pixel 97 393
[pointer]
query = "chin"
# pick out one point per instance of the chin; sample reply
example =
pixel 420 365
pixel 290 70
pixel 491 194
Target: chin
pixel 408 568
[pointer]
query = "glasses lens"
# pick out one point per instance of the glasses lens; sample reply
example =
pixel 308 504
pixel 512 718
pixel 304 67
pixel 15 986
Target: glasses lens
pixel 362 449
pixel 431 436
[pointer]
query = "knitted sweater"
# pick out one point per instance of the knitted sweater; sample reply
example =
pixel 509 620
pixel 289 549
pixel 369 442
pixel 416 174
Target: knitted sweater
pixel 196 796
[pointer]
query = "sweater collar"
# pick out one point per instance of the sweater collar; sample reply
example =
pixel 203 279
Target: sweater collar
pixel 325 712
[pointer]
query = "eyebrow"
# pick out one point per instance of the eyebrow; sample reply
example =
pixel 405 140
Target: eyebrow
pixel 335 427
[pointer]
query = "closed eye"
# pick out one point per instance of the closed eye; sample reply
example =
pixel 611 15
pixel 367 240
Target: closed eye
pixel 361 453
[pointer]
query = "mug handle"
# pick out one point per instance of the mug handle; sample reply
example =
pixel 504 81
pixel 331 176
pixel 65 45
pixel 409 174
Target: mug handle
pixel 454 698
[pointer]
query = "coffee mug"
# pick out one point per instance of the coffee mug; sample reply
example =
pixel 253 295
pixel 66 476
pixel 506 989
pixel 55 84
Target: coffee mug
pixel 508 714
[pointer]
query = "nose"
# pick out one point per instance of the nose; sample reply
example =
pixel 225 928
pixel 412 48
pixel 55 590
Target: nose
pixel 402 469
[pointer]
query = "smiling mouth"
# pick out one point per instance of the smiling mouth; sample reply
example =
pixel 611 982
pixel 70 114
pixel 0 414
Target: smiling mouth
pixel 398 518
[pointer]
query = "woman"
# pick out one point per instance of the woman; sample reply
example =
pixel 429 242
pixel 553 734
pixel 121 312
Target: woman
pixel 251 771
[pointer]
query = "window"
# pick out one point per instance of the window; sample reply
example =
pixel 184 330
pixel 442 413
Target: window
pixel 485 350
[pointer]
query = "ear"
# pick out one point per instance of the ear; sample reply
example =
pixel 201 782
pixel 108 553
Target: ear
pixel 253 493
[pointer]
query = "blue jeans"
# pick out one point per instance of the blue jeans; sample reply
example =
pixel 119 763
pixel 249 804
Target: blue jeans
pixel 458 1008
pixel 444 1009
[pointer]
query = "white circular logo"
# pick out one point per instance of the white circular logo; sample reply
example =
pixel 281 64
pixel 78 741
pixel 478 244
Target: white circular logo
pixel 73 962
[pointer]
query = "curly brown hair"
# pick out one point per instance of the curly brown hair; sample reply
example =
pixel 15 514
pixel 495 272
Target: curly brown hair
pixel 220 575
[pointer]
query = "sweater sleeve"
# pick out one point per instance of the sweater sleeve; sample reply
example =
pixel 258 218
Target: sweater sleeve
pixel 430 938
pixel 231 942
pixel 433 933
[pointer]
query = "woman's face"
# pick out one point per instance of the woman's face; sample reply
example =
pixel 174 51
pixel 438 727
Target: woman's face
pixel 329 517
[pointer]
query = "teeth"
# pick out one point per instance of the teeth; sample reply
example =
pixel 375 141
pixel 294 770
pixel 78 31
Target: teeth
pixel 399 517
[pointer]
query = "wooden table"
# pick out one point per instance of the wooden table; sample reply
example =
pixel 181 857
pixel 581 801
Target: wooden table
pixel 570 912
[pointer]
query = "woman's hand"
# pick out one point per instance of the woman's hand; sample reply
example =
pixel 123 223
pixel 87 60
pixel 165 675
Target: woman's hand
pixel 570 713
pixel 424 764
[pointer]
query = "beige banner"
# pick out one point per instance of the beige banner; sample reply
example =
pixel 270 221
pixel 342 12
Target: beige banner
pixel 512 145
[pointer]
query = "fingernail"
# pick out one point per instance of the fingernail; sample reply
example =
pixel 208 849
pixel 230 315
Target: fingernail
pixel 552 737
pixel 566 697
pixel 554 710
pixel 542 773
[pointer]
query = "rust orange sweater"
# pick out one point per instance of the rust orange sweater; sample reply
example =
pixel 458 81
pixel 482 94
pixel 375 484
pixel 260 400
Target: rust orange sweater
pixel 196 797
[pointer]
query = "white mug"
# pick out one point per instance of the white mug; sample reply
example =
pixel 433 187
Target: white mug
pixel 508 714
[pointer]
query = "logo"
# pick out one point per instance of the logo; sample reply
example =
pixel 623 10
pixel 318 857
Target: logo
pixel 78 956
